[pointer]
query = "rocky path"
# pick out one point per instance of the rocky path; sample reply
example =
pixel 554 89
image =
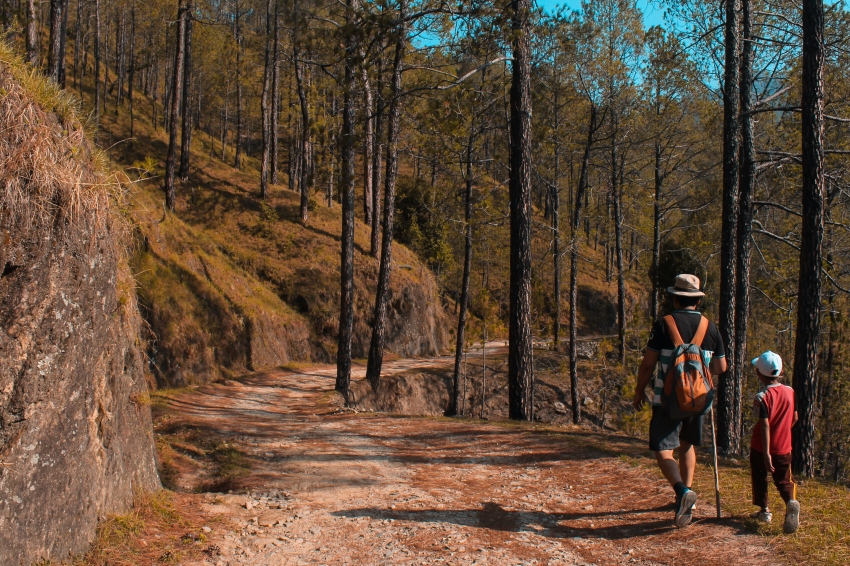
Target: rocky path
pixel 329 487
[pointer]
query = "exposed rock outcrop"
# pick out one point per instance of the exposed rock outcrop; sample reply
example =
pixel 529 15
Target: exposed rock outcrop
pixel 76 439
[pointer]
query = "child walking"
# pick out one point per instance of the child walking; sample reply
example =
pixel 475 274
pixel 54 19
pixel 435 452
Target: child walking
pixel 770 449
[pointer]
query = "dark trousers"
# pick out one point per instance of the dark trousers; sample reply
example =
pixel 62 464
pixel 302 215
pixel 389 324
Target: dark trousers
pixel 781 477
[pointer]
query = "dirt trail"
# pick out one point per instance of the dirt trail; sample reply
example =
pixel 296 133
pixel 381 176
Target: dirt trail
pixel 327 487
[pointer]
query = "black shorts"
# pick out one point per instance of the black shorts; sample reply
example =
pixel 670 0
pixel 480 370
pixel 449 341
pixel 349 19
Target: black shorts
pixel 665 433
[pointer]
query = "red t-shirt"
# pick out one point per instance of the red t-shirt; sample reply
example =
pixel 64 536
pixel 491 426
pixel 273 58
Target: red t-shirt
pixel 776 404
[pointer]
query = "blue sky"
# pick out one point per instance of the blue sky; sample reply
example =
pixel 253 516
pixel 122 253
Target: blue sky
pixel 652 12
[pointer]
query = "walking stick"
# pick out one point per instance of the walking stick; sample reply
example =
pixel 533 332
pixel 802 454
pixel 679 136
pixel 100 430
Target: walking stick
pixel 716 474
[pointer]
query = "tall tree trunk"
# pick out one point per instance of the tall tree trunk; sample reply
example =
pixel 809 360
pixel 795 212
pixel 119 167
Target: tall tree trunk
pixel 97 98
pixel 745 215
pixel 119 57
pixel 377 157
pixel 265 105
pixel 77 41
pixel 63 44
pixel 225 116
pixel 54 46
pixel 556 227
pixel 616 189
pixel 174 113
pixel 304 150
pixel 811 241
pixel 132 65
pixel 367 146
pixel 237 159
pixel 728 437
pixel 186 129
pixel 376 346
pixel 454 407
pixel 656 234
pixel 575 226
pixel 275 127
pixel 520 367
pixel 346 309
pixel 32 34
pixel 303 177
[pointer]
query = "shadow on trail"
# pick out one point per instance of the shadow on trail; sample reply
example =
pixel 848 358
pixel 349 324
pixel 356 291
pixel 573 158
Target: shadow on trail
pixel 493 516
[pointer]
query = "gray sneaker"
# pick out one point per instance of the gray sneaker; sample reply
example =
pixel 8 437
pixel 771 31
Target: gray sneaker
pixel 684 509
pixel 792 517
pixel 762 516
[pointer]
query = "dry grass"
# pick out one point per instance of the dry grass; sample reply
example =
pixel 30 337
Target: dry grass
pixel 48 169
pixel 824 534
pixel 164 527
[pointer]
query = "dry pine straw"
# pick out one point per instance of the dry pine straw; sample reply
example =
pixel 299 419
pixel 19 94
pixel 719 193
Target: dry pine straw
pixel 824 534
pixel 164 527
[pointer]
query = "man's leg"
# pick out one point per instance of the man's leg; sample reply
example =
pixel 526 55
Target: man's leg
pixel 669 467
pixel 687 463
pixel 663 440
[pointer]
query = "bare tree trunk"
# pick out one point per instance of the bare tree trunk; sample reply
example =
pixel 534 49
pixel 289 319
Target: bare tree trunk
pixel 376 346
pixel 154 108
pixel 173 116
pixel 367 146
pixel 97 99
pixel 575 225
pixel 132 65
pixel 520 368
pixel 63 44
pixel 618 245
pixel 119 57
pixel 186 129
pixel 346 309
pixel 811 241
pixel 32 34
pixel 237 159
pixel 303 177
pixel 54 46
pixel 275 127
pixel 728 437
pixel 77 40
pixel 377 157
pixel 656 234
pixel 556 225
pixel 265 105
pixel 454 407
pixel 224 120
pixel 745 215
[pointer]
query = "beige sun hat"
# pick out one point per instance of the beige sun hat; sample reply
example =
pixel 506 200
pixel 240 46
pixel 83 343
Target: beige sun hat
pixel 687 285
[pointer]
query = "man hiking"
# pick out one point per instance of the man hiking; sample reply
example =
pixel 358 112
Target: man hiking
pixel 666 434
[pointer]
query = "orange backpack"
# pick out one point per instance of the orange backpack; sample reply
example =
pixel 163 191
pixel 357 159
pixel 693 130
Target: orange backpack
pixel 688 388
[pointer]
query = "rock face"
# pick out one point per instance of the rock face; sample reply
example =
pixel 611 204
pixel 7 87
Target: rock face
pixel 76 439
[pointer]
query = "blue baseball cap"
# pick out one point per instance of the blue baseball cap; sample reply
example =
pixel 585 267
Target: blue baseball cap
pixel 769 364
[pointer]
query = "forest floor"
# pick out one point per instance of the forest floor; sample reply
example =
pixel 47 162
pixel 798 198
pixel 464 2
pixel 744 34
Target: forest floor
pixel 310 483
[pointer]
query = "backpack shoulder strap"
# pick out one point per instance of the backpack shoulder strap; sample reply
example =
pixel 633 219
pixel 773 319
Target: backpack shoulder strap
pixel 673 331
pixel 699 336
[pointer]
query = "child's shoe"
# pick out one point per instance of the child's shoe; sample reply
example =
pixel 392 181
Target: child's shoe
pixel 762 516
pixel 792 517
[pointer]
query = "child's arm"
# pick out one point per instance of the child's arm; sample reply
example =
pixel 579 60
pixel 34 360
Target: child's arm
pixel 795 419
pixel 765 439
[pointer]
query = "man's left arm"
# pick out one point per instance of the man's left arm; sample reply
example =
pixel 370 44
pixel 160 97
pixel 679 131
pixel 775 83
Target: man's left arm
pixel 647 367
pixel 718 363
